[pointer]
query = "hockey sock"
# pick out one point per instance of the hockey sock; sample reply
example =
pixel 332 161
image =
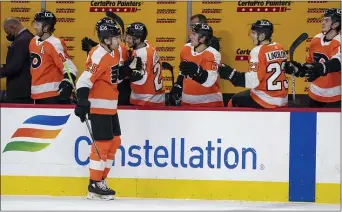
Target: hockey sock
pixel 115 144
pixel 96 167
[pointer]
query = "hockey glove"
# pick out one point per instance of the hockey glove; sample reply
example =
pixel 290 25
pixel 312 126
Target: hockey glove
pixel 175 94
pixel 83 105
pixel 194 71
pixel 293 67
pixel 65 87
pixel 228 73
pixel 133 69
pixel 88 44
pixel 314 71
pixel 114 74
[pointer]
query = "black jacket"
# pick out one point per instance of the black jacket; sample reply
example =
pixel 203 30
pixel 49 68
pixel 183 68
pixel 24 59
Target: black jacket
pixel 17 67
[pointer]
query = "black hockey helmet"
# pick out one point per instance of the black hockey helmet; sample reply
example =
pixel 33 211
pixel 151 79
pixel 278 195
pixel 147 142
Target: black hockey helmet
pixel 335 15
pixel 107 28
pixel 47 18
pixel 137 30
pixel 204 30
pixel 263 26
pixel 104 20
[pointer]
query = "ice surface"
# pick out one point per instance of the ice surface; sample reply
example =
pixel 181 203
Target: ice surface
pixel 46 203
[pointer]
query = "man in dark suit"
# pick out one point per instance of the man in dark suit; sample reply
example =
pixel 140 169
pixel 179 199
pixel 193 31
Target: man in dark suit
pixel 18 62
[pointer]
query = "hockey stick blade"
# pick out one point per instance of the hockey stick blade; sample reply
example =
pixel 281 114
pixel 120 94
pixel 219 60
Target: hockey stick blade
pixel 117 19
pixel 296 43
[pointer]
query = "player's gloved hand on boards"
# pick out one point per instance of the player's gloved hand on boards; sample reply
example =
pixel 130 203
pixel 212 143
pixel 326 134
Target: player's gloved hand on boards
pixel 293 67
pixel 175 94
pixel 194 71
pixel 83 105
pixel 88 44
pixel 314 71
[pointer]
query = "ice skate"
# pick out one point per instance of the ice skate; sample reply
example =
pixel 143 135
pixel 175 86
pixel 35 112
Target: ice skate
pixel 98 190
pixel 105 183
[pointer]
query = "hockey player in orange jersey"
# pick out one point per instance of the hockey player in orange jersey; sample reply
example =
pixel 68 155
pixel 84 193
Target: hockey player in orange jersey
pixel 266 80
pixel 147 84
pixel 323 64
pixel 97 96
pixel 124 87
pixel 197 84
pixel 53 73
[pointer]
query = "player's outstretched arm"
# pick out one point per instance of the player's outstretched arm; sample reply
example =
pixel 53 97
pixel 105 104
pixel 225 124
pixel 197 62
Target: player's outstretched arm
pixel 204 77
pixel 293 67
pixel 236 78
pixel 62 60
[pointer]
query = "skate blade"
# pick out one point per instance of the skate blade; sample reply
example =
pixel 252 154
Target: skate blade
pixel 93 196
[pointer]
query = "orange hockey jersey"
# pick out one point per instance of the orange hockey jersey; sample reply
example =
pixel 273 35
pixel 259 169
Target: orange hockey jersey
pixel 50 61
pixel 98 77
pixel 325 88
pixel 149 90
pixel 266 75
pixel 207 94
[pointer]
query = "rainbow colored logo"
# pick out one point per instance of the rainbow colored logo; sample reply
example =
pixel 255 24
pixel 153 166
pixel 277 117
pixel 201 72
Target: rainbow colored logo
pixel 37 134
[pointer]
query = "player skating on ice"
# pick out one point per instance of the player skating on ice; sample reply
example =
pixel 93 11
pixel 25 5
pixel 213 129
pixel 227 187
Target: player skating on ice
pixel 147 84
pixel 266 80
pixel 323 64
pixel 97 96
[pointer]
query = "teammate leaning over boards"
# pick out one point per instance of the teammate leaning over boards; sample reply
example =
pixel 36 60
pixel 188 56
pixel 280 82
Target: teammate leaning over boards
pixel 53 73
pixel 147 85
pixel 97 95
pixel 265 77
pixel 323 64
pixel 198 84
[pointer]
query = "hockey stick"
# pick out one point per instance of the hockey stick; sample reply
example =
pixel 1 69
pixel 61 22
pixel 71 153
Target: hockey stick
pixel 168 66
pixel 87 119
pixel 293 47
pixel 117 19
